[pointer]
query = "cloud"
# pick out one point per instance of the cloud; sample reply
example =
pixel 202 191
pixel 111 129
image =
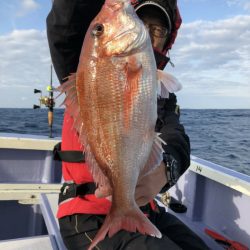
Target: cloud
pixel 23 98
pixel 26 6
pixel 212 57
pixel 245 4
pixel 25 65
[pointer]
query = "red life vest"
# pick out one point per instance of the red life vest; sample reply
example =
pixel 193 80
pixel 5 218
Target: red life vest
pixel 78 173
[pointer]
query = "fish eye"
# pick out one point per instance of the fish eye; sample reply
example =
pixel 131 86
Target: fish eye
pixel 98 29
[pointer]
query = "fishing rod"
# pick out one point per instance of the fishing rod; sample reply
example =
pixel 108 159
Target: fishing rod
pixel 48 101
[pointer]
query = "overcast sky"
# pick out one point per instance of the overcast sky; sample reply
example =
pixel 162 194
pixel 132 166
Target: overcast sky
pixel 211 53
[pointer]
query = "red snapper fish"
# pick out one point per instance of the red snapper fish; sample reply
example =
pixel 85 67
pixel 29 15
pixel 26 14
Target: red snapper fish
pixel 113 100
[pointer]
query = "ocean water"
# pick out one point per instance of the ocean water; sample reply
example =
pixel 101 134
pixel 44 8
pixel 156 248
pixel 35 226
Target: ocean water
pixel 219 136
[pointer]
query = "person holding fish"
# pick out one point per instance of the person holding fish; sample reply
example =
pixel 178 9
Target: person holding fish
pixel 122 142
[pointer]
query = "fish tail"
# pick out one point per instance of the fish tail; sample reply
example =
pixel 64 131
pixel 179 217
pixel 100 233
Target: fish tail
pixel 132 220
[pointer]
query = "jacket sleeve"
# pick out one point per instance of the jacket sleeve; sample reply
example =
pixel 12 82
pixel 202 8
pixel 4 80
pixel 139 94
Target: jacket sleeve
pixel 172 132
pixel 67 24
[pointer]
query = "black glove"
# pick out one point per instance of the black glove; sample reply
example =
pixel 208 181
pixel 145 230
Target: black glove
pixel 173 171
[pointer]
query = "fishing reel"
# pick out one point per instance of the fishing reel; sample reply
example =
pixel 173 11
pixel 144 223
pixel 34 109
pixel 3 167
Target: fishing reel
pixel 47 101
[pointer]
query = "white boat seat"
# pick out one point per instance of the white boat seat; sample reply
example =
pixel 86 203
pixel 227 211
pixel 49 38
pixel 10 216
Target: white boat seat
pixel 44 242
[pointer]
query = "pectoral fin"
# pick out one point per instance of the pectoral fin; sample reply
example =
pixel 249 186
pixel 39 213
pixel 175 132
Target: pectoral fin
pixel 167 84
pixel 133 70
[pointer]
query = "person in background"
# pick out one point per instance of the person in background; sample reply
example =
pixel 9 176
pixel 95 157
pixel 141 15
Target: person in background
pixel 80 212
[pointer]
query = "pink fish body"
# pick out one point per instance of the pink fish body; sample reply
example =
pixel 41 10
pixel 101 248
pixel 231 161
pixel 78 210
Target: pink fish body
pixel 113 100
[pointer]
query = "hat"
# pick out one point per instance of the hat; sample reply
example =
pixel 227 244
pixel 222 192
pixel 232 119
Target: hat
pixel 155 6
pixel 171 16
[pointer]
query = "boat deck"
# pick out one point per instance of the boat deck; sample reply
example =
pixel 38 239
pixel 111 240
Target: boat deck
pixel 216 198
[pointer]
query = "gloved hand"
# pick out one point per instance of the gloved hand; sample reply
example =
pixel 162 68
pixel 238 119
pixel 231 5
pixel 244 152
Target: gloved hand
pixel 150 185
pixel 173 170
pixel 160 180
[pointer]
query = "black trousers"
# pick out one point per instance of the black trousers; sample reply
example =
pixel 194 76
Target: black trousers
pixel 78 231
